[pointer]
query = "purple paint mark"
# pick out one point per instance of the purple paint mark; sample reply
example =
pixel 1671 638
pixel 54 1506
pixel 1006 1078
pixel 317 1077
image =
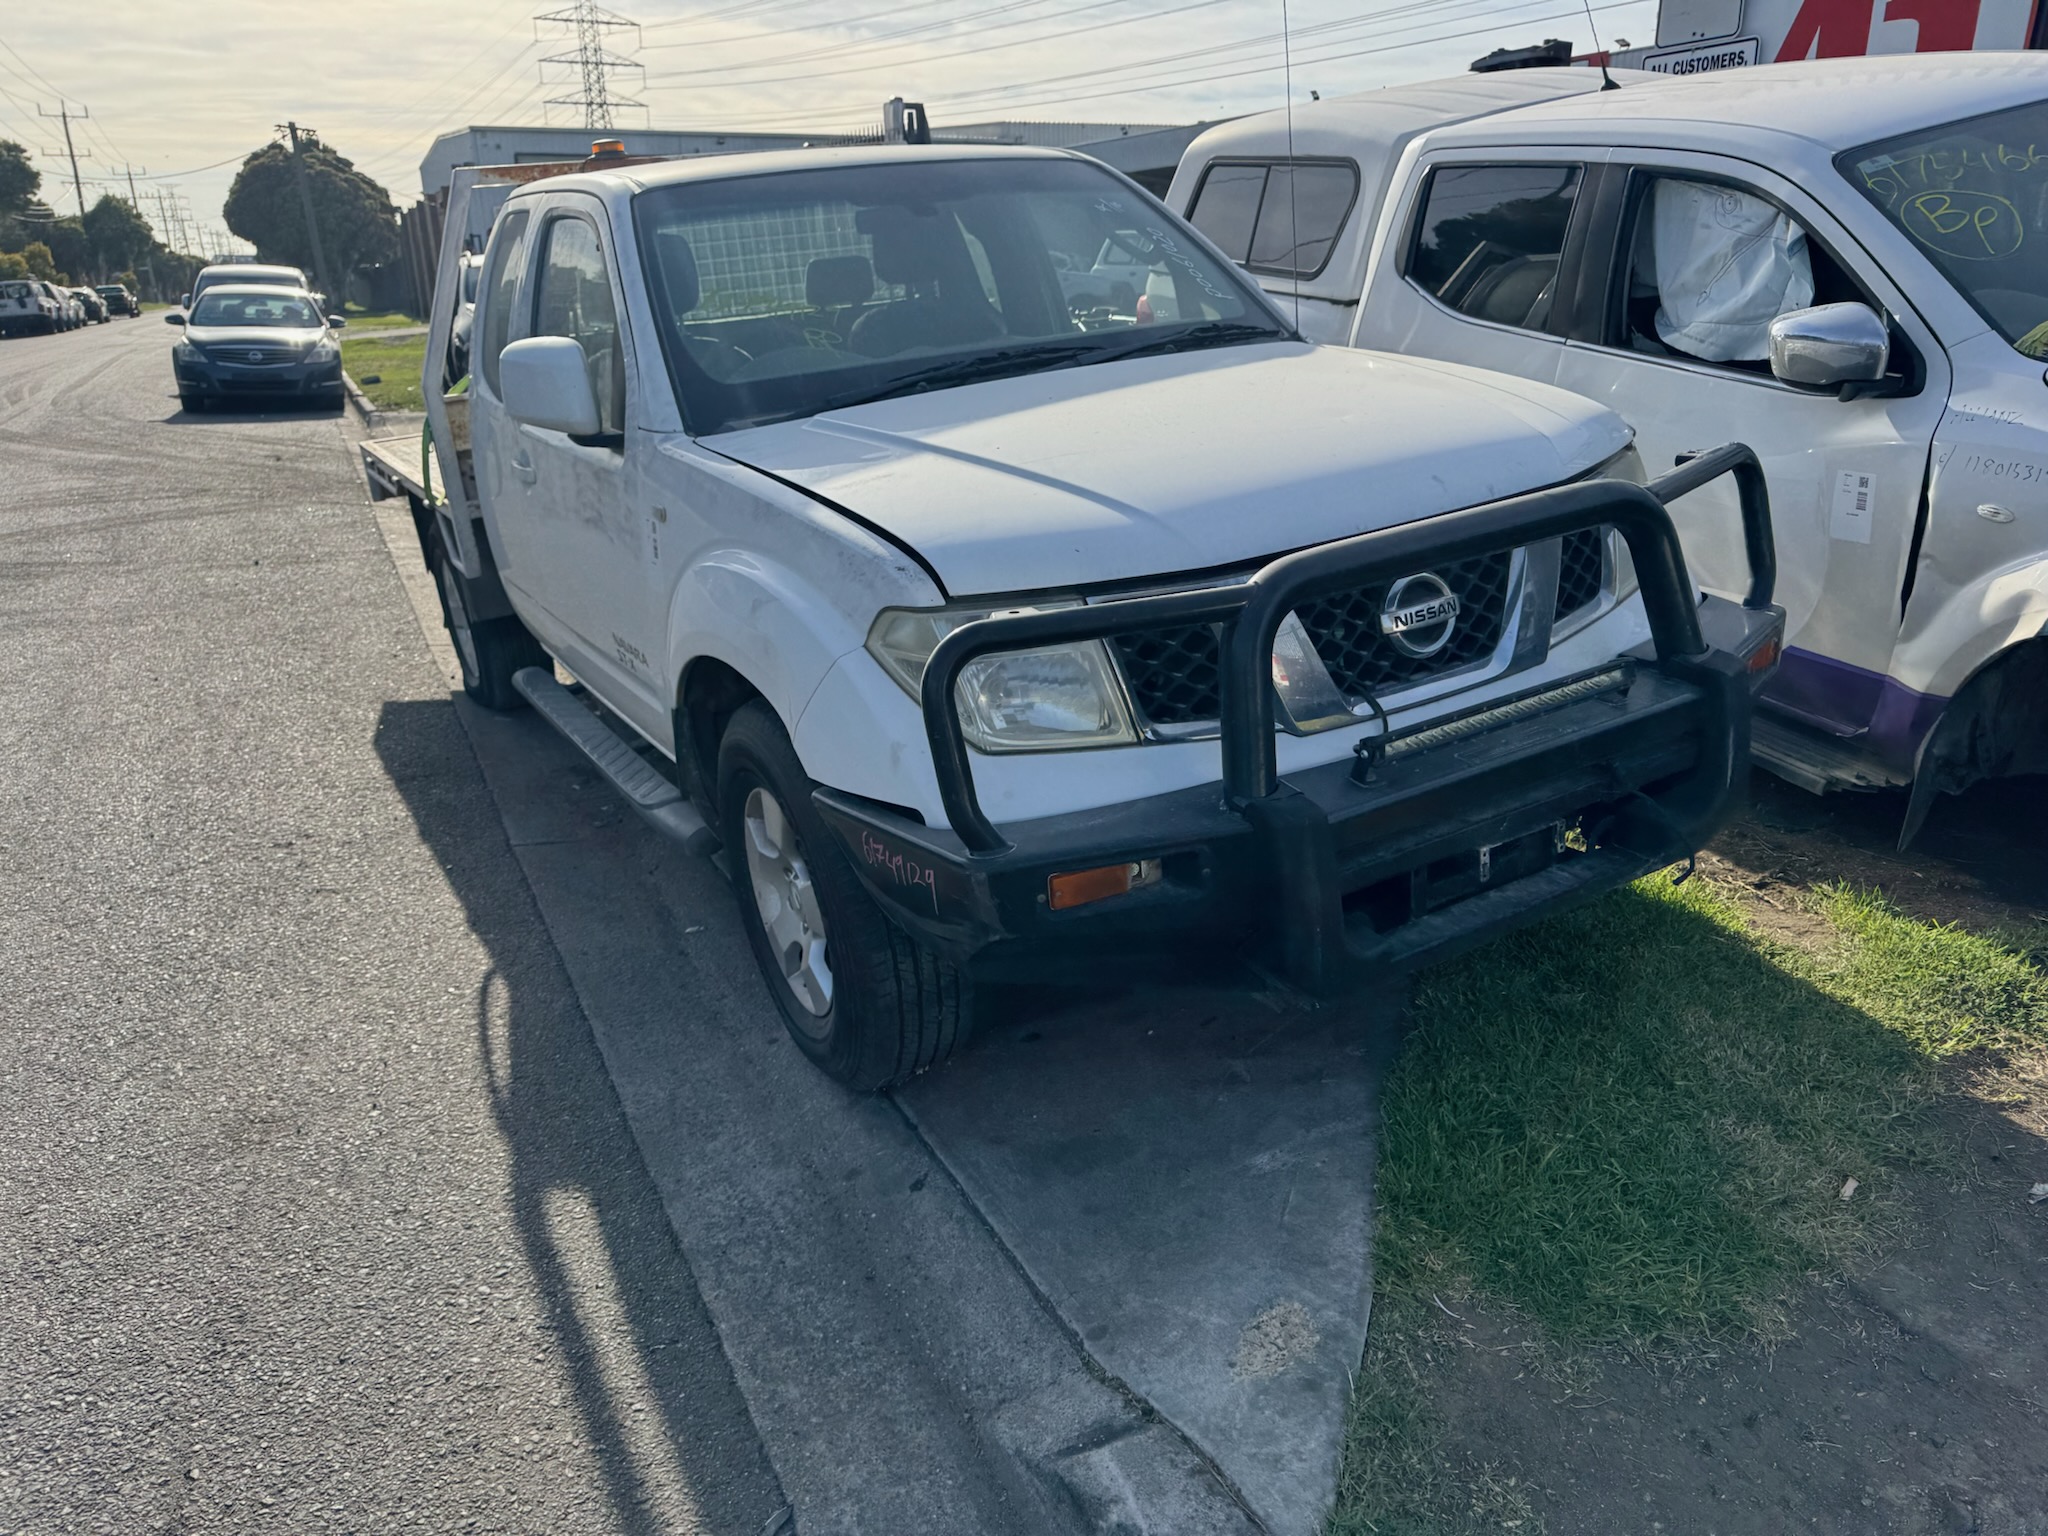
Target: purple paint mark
pixel 1882 714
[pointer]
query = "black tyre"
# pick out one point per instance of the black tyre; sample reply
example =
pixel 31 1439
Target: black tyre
pixel 867 1003
pixel 490 650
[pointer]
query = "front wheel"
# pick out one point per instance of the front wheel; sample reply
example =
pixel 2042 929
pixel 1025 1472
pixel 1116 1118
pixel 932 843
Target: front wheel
pixel 490 650
pixel 868 1004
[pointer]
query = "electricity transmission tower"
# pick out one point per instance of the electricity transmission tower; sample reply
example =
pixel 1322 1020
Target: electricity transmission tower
pixel 593 63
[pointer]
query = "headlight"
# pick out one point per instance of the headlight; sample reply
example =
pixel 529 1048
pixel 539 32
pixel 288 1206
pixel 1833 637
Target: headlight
pixel 1063 697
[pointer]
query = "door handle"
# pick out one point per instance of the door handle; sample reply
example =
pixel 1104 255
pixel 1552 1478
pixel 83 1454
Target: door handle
pixel 522 466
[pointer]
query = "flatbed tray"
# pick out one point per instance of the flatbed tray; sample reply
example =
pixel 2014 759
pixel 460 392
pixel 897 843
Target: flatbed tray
pixel 393 468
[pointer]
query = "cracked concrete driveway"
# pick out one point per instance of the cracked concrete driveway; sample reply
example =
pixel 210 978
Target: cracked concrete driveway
pixel 398 1137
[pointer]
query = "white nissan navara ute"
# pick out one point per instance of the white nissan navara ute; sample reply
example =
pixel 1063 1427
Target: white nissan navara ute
pixel 997 635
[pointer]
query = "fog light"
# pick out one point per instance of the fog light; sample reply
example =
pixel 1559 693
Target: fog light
pixel 1076 888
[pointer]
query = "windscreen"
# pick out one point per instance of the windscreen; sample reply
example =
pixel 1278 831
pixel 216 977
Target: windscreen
pixel 254 309
pixel 788 294
pixel 1973 196
pixel 16 291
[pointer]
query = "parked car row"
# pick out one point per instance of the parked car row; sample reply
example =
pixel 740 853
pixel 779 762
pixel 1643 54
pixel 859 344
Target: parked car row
pixel 256 332
pixel 32 306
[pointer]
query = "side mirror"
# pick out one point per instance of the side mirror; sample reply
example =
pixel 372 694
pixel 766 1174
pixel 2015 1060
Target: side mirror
pixel 174 318
pixel 546 383
pixel 337 321
pixel 184 301
pixel 1829 345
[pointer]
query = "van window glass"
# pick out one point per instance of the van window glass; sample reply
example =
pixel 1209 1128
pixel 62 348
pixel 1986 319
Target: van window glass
pixel 508 245
pixel 1304 207
pixel 1710 267
pixel 1490 239
pixel 1972 196
pixel 1227 206
pixel 574 299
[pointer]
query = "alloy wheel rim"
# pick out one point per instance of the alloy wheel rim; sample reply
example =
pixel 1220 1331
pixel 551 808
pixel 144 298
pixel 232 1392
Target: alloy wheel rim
pixel 787 900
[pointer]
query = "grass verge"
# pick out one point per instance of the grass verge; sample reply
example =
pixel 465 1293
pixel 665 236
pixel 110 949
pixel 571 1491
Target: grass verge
pixel 394 362
pixel 1632 1126
pixel 360 319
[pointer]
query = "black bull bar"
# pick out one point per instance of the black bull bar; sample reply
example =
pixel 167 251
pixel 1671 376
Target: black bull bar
pixel 1251 612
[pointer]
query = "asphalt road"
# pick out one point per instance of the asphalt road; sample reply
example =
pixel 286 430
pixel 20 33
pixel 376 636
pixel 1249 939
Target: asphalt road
pixel 289 1241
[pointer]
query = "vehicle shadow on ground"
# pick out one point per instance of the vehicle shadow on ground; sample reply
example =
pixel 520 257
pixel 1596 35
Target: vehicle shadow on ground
pixel 1641 1118
pixel 648 1381
pixel 213 416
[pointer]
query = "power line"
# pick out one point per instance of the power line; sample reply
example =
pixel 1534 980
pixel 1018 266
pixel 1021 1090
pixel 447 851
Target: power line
pixel 594 63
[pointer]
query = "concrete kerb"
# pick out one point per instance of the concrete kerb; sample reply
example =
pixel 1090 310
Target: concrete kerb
pixel 371 418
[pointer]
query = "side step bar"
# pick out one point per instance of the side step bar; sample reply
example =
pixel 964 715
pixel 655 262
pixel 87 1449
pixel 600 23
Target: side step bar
pixel 645 788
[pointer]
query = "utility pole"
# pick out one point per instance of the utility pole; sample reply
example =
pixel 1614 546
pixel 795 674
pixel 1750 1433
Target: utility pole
pixel 135 202
pixel 64 114
pixel 593 62
pixel 292 130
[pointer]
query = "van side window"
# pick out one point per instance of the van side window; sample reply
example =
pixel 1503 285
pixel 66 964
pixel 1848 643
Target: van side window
pixel 1490 238
pixel 1273 216
pixel 574 299
pixel 1711 265
pixel 507 247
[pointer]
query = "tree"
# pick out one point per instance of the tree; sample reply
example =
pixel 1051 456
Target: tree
pixel 358 224
pixel 66 240
pixel 18 179
pixel 40 262
pixel 119 235
pixel 13 264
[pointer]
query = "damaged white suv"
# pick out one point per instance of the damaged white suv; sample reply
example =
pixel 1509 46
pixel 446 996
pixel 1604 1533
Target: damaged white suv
pixel 996 634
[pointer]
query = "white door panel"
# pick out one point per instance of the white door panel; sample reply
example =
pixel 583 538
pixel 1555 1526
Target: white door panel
pixel 1845 478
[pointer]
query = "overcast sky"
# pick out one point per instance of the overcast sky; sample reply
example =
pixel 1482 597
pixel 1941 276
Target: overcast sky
pixel 183 91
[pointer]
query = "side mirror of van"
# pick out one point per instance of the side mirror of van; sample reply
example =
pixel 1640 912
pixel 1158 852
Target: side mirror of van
pixel 337 321
pixel 1829 345
pixel 184 301
pixel 174 318
pixel 545 383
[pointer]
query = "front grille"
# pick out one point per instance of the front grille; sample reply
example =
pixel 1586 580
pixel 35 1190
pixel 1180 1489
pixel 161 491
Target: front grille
pixel 1174 674
pixel 1580 569
pixel 257 354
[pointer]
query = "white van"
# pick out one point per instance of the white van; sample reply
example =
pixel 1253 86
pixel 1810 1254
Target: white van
pixel 1843 263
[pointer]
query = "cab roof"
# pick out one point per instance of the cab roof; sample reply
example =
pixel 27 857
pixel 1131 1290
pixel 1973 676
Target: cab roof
pixel 666 173
pixel 1834 103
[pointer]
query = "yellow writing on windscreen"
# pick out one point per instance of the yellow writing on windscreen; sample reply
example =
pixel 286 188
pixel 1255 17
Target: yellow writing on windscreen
pixel 1964 224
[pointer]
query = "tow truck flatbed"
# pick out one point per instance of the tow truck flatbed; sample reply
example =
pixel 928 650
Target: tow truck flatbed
pixel 397 466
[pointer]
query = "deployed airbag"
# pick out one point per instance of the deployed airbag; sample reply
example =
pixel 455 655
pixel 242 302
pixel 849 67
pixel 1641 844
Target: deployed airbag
pixel 1725 264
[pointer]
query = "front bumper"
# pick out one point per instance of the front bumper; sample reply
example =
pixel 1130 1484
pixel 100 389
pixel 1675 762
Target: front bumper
pixel 314 376
pixel 1462 828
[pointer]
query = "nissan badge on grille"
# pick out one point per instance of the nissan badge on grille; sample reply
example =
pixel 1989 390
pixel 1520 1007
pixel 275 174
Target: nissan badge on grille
pixel 1419 614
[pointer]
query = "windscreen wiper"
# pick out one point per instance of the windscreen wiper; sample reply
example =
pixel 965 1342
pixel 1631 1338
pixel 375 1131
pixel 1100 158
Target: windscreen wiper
pixel 1209 333
pixel 1009 362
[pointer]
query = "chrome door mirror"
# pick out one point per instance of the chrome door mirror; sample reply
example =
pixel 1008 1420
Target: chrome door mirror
pixel 546 383
pixel 1829 345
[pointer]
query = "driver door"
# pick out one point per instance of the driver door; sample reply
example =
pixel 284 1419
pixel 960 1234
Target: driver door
pixel 585 531
pixel 1703 252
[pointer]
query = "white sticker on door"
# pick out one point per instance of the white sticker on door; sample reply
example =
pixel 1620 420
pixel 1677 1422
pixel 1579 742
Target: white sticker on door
pixel 1849 518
